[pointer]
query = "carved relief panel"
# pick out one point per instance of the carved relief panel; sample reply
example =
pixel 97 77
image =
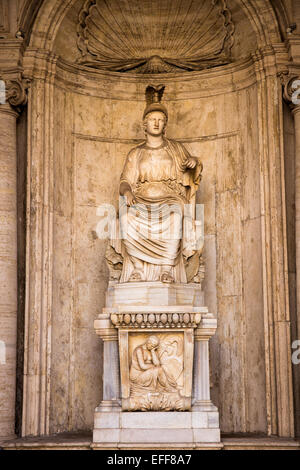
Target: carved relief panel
pixel 156 369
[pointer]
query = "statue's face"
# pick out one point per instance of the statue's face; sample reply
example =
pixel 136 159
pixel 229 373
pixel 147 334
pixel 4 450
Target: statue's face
pixel 151 345
pixel 155 123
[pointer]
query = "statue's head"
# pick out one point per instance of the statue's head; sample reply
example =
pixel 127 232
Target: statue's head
pixel 155 116
pixel 152 342
pixel 155 123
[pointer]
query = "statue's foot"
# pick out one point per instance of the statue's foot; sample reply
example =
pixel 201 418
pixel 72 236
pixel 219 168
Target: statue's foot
pixel 135 277
pixel 167 277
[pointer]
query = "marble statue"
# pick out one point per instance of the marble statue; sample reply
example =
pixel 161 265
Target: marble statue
pixel 158 182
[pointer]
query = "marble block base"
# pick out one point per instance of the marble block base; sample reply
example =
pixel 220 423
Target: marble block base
pixel 188 429
pixel 154 294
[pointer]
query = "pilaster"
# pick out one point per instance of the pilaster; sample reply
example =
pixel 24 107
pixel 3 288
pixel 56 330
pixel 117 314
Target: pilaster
pixel 278 364
pixel 15 97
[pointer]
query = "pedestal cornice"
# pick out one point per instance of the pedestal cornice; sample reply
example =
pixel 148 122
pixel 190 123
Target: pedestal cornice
pixel 270 60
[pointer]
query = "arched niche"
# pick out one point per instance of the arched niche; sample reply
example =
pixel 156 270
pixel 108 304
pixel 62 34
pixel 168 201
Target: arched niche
pixel 82 122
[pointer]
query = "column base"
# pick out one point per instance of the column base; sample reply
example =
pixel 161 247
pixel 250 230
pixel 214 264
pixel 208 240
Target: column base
pixel 204 405
pixel 114 429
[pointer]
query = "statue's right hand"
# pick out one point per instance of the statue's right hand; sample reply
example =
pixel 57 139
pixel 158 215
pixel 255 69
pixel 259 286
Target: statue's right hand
pixel 129 198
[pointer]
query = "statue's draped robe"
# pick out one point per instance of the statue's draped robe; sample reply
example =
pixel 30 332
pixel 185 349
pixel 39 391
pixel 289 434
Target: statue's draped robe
pixel 152 229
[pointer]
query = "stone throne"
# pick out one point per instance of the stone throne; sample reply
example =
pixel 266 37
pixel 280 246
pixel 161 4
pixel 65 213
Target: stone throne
pixel 155 327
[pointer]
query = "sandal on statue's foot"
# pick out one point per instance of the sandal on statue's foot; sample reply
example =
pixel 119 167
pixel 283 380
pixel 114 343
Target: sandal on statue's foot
pixel 135 277
pixel 166 277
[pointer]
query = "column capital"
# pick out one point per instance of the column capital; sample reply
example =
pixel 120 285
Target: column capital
pixel 291 89
pixel 14 92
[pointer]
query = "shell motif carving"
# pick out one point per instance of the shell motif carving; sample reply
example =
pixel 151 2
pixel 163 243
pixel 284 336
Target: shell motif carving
pixel 154 36
pixel 291 89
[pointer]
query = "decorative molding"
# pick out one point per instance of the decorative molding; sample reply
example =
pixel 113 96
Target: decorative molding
pixel 16 93
pixel 102 83
pixel 156 320
pixel 123 38
pixel 82 42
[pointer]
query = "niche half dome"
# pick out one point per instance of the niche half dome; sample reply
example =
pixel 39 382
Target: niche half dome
pixel 154 36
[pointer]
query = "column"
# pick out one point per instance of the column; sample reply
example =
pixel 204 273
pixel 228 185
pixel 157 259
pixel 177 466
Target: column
pixel 201 377
pixel 201 371
pixel 107 414
pixel 15 96
pixel 111 372
pixel 205 416
pixel 296 113
pixel 111 400
pixel 291 95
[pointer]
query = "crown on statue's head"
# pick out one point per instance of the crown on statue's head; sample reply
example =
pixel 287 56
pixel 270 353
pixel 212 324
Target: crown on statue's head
pixel 154 95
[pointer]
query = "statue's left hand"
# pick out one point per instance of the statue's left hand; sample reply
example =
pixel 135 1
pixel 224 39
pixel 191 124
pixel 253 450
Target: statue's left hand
pixel 192 162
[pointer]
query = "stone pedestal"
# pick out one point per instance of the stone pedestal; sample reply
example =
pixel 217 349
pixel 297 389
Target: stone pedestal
pixel 153 294
pixel 174 315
